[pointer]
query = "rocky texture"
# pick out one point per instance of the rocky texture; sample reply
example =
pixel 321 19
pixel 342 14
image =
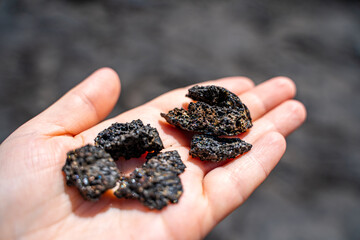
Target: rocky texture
pixel 91 170
pixel 129 140
pixel 212 120
pixel 215 149
pixel 156 184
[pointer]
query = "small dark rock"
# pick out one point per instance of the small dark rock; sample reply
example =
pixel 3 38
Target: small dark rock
pixel 91 170
pixel 129 140
pixel 218 96
pixel 156 184
pixel 215 149
pixel 212 120
pixel 215 95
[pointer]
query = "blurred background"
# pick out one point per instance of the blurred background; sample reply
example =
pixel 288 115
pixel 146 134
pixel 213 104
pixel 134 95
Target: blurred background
pixel 47 47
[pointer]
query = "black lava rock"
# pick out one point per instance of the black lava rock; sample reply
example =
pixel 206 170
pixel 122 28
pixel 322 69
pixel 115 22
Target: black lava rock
pixel 91 170
pixel 212 120
pixel 218 96
pixel 215 149
pixel 129 139
pixel 156 183
pixel 215 95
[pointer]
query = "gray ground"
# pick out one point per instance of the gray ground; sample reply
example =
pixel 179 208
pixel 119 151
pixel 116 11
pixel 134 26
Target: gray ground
pixel 46 47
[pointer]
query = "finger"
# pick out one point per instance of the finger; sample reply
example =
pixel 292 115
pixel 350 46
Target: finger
pixel 177 98
pixel 83 106
pixel 227 187
pixel 285 119
pixel 268 95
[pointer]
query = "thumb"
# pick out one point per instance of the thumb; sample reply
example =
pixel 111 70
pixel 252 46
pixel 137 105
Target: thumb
pixel 82 107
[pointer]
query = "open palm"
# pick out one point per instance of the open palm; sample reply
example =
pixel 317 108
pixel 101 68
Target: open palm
pixel 37 204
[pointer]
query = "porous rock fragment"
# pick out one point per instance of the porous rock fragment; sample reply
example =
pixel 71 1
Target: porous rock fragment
pixel 156 183
pixel 218 96
pixel 129 140
pixel 215 95
pixel 91 170
pixel 215 149
pixel 212 120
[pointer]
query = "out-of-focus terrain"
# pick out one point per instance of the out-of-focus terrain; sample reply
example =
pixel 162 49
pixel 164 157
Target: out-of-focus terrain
pixel 46 47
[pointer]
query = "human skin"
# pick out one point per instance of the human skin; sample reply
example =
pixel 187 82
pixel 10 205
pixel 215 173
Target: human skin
pixel 37 204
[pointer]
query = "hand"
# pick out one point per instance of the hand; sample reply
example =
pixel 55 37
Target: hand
pixel 37 204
